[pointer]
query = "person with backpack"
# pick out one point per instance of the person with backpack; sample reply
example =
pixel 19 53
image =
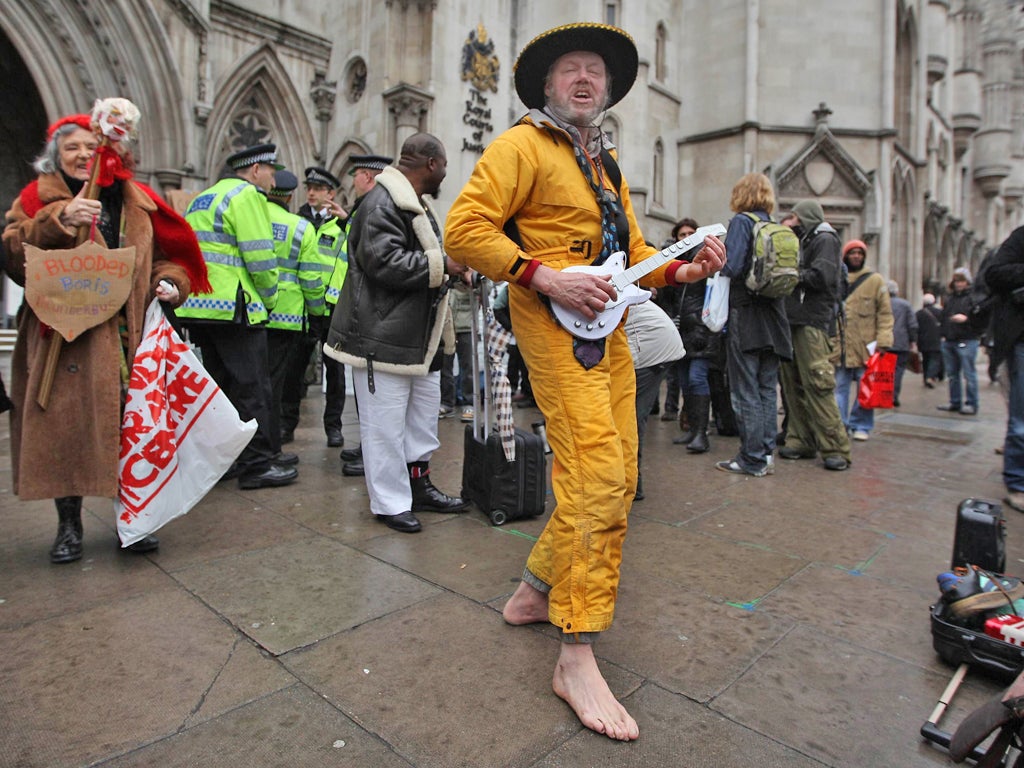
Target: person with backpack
pixel 960 342
pixel 757 333
pixel 868 319
pixel 808 381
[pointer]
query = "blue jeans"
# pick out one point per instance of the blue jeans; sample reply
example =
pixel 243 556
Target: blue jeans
pixel 753 382
pixel 693 375
pixel 858 418
pixel 1013 450
pixel 959 357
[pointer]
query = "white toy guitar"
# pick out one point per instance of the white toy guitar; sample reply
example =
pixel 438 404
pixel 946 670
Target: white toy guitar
pixel 623 280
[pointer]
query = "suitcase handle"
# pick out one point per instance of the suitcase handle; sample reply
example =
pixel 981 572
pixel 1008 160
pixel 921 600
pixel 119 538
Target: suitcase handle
pixel 989 661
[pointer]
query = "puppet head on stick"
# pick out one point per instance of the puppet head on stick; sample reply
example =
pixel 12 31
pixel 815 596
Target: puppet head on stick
pixel 114 121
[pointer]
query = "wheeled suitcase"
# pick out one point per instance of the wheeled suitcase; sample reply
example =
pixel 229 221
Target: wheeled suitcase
pixel 957 644
pixel 503 490
pixel 980 536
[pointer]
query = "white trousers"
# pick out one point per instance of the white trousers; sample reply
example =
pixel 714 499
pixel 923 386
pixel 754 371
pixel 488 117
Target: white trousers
pixel 397 426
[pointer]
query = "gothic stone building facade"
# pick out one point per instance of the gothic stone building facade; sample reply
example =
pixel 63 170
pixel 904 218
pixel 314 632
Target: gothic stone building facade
pixel 905 118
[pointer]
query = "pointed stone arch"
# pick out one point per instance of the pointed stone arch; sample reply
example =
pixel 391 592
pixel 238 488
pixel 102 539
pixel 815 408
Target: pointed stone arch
pixel 905 82
pixel 93 52
pixel 903 263
pixel 930 267
pixel 258 103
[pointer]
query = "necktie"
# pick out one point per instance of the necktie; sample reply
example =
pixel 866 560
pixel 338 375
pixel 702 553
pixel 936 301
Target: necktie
pixel 590 353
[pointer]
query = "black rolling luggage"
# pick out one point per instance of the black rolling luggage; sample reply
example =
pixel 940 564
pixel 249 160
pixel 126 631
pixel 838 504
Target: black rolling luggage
pixel 980 536
pixel 503 490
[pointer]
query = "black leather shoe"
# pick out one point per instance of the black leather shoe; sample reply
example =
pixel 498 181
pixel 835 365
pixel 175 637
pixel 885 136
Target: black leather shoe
pixel 352 454
pixel 144 545
pixel 836 463
pixel 271 477
pixel 334 438
pixel 353 468
pixel 949 407
pixel 286 459
pixel 405 522
pixel 427 498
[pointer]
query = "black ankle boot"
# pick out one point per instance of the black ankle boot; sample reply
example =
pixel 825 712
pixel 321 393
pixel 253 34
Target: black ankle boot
pixel 67 547
pixel 427 498
pixel 699 422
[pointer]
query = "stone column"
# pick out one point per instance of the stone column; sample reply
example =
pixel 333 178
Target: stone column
pixel 323 94
pixel 408 107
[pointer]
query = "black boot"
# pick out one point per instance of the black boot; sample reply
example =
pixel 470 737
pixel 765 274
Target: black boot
pixel 699 422
pixel 688 415
pixel 67 547
pixel 427 498
pixel 725 417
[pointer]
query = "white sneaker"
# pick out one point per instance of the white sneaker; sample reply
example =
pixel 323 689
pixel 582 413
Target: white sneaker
pixel 770 468
pixel 859 434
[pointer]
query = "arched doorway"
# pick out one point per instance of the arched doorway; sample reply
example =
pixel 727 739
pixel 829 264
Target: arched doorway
pixel 21 140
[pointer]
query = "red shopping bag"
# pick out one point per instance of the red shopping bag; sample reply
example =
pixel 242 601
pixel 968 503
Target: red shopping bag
pixel 878 382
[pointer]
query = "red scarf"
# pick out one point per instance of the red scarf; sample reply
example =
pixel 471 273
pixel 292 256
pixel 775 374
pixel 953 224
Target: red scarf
pixel 171 233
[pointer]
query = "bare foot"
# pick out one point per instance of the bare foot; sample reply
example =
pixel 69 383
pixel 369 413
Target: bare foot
pixel 528 605
pixel 579 681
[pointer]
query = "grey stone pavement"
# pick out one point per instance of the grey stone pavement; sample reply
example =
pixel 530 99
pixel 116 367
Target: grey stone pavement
pixel 780 621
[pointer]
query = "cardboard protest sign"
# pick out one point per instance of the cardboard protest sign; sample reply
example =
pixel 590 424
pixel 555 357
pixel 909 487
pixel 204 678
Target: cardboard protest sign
pixel 76 289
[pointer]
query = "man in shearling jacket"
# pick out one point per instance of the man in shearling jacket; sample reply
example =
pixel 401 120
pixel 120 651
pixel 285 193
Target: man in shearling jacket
pixel 390 324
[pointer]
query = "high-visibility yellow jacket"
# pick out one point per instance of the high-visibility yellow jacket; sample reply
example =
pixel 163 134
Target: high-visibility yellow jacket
pixel 331 243
pixel 232 224
pixel 300 288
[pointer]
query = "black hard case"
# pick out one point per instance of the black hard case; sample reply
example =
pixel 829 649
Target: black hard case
pixel 959 645
pixel 503 490
pixel 980 536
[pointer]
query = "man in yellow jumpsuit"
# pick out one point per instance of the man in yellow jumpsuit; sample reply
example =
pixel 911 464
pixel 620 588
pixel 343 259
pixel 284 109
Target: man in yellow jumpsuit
pixel 552 175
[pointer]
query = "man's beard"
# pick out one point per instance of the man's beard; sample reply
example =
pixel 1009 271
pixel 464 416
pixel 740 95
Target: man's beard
pixel 572 117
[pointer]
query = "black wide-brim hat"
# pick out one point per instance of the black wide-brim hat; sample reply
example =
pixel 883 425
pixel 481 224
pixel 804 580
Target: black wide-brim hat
pixel 612 44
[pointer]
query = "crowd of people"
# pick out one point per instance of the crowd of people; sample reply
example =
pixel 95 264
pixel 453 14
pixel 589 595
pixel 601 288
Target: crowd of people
pixel 383 289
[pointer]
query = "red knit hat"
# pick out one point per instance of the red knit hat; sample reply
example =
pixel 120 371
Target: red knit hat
pixel 852 244
pixel 82 121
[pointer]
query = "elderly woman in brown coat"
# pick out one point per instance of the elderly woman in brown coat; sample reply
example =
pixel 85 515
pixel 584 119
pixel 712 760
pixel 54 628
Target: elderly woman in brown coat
pixel 70 449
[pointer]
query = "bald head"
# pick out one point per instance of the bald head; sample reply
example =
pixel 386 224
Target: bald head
pixel 424 162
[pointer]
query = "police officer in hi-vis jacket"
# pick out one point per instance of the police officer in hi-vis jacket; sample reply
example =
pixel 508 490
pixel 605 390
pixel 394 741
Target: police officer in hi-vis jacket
pixel 232 223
